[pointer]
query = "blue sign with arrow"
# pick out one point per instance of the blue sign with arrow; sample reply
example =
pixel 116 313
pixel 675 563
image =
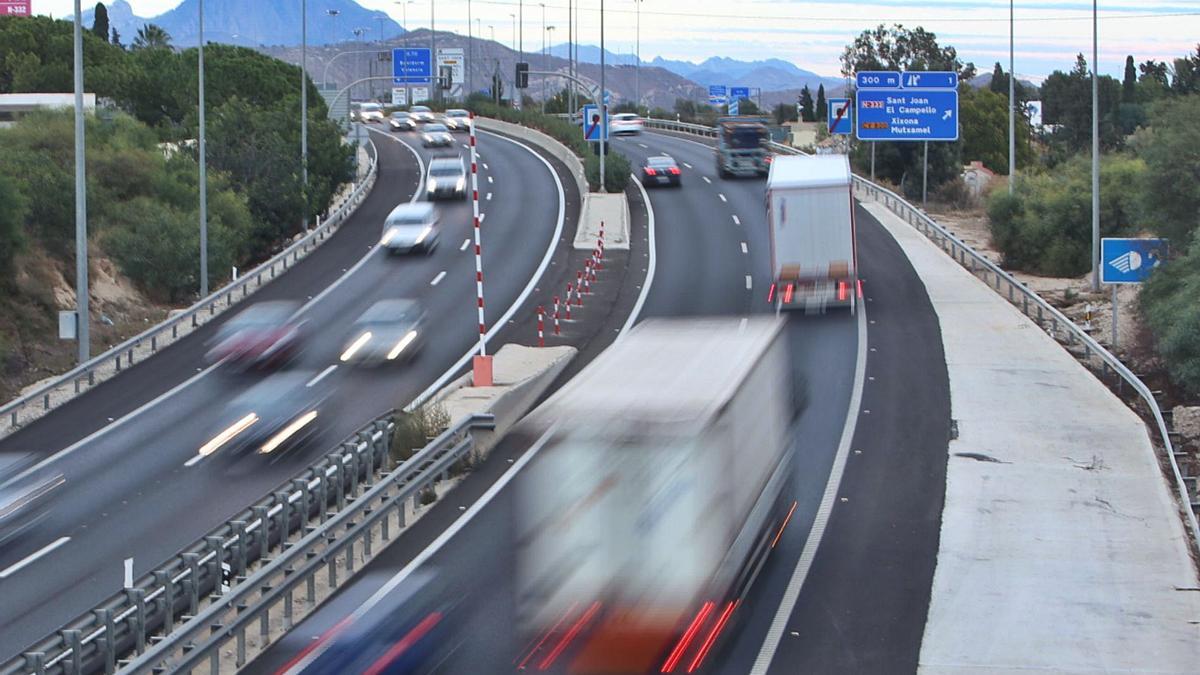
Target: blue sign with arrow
pixel 412 66
pixel 907 115
pixel 1130 261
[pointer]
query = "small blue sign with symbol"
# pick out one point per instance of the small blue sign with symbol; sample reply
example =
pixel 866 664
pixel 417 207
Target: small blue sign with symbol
pixel 930 79
pixel 878 79
pixel 594 128
pixel 738 93
pixel 716 94
pixel 411 66
pixel 1130 261
pixel 840 116
pixel 903 115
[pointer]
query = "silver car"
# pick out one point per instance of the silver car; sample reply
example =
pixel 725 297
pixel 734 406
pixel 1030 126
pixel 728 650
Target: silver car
pixel 457 119
pixel 447 179
pixel 421 113
pixel 402 121
pixel 411 227
pixel 388 331
pixel 436 135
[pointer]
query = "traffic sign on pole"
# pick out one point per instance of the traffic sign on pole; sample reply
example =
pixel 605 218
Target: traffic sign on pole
pixel 736 93
pixel 716 94
pixel 412 65
pixel 15 8
pixel 907 115
pixel 734 107
pixel 878 79
pixel 1130 261
pixel 841 116
pixel 930 79
pixel 594 128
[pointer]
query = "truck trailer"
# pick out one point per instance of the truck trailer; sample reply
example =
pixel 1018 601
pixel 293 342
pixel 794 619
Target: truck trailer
pixel 661 483
pixel 742 146
pixel 810 215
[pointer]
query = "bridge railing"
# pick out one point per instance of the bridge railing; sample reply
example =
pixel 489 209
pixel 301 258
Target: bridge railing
pixel 1095 356
pixel 262 561
pixel 36 403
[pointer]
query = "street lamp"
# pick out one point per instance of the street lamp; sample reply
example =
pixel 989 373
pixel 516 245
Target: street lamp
pixel 404 9
pixel 637 68
pixel 304 105
pixel 358 33
pixel 81 254
pixel 546 64
pixel 333 14
pixel 543 6
pixel 514 40
pixel 203 167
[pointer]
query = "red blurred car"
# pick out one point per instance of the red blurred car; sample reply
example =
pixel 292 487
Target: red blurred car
pixel 266 334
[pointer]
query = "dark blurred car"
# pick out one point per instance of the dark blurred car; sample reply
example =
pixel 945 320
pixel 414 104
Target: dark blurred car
pixel 457 120
pixel 447 178
pixel 660 170
pixel 25 498
pixel 273 415
pixel 266 334
pixel 421 113
pixel 387 331
pixel 402 121
pixel 412 629
pixel 436 135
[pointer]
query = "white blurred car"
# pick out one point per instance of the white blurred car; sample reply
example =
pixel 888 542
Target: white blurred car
pixel 447 179
pixel 421 113
pixel 625 123
pixel 411 227
pixel 389 330
pixel 370 112
pixel 457 119
pixel 436 135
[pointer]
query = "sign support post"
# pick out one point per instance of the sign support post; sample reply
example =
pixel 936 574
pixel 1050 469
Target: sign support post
pixel 1114 318
pixel 925 175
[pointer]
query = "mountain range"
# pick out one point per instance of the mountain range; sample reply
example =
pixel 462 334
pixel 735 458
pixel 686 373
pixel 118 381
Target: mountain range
pixel 253 24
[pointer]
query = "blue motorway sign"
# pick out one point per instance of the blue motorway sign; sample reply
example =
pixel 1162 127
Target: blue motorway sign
pixel 594 129
pixel 840 116
pixel 412 66
pixel 716 94
pixel 878 79
pixel 930 79
pixel 907 115
pixel 1130 261
pixel 737 93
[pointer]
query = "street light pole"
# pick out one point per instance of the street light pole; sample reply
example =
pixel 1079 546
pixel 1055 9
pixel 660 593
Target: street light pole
pixel 543 5
pixel 81 249
pixel 304 104
pixel 637 69
pixel 203 168
pixel 470 52
pixel 1012 105
pixel 433 61
pixel 407 86
pixel 603 99
pixel 546 65
pixel 1095 154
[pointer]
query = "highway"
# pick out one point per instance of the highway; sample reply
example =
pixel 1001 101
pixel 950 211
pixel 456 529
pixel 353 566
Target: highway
pixel 856 604
pixel 133 490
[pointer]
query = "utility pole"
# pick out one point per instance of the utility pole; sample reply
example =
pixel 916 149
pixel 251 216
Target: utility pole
pixel 602 101
pixel 304 104
pixel 203 169
pixel 1012 105
pixel 571 53
pixel 407 86
pixel 81 247
pixel 470 52
pixel 544 66
pixel 435 94
pixel 637 68
pixel 1095 153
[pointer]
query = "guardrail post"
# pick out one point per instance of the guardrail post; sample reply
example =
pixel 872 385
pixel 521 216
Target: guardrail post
pixel 285 518
pixel 164 579
pixel 217 546
pixel 350 556
pixel 71 637
pixel 262 513
pixel 323 497
pixel 305 504
pixel 104 616
pixel 356 465
pixel 241 648
pixel 333 572
pixel 239 527
pixel 137 598
pixel 193 582
pixel 339 475
pixel 36 662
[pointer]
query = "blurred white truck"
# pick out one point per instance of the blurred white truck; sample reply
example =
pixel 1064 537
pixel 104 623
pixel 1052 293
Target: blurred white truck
pixel 814 254
pixel 662 482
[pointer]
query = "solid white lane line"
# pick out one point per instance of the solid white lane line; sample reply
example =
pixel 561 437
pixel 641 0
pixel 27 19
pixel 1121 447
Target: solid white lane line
pixel 788 603
pixel 722 196
pixel 687 165
pixel 194 461
pixel 322 375
pixel 706 180
pixel 745 249
pixel 32 558
pixel 749 281
pixel 467 242
pixel 737 221
pixel 645 292
pixel 438 279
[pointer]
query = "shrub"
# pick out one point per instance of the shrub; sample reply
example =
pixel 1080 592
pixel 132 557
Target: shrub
pixel 413 430
pixel 1168 303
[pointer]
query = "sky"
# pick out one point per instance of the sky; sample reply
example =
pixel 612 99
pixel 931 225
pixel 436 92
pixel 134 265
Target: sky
pixel 812 34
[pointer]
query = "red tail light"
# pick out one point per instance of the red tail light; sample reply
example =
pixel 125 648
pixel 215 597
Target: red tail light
pixel 407 641
pixel 688 636
pixel 674 171
pixel 712 636
pixel 787 294
pixel 841 291
pixel 771 294
pixel 649 171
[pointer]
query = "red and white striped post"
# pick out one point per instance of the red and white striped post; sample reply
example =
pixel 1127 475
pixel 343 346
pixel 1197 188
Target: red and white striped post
pixel 556 330
pixel 570 288
pixel 588 275
pixel 579 289
pixel 541 326
pixel 482 363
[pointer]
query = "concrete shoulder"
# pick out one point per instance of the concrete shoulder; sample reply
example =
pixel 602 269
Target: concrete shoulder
pixel 1061 546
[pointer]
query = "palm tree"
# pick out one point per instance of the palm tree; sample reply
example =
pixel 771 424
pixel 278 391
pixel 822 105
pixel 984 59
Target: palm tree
pixel 152 36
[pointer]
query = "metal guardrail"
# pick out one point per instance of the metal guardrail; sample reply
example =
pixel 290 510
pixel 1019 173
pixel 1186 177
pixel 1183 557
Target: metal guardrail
pixel 1048 318
pixel 210 584
pixel 45 398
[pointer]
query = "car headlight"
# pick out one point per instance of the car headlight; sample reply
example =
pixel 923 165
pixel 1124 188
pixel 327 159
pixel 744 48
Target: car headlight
pixel 461 184
pixel 355 346
pixel 431 186
pixel 424 233
pixel 402 344
pixel 428 138
pixel 388 236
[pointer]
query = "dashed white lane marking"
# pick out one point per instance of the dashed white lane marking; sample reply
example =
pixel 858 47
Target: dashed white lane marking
pixel 643 145
pixel 490 180
pixel 687 165
pixel 467 242
pixel 489 197
pixel 485 166
pixel 745 249
pixel 722 196
pixel 482 216
pixel 737 221
pixel 749 282
pixel 32 558
pixel 466 147
pixel 706 180
pixel 321 375
pixel 438 279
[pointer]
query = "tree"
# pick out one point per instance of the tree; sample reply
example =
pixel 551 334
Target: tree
pixel 821 108
pixel 1185 75
pixel 151 36
pixel 1171 186
pixel 1129 84
pixel 984 136
pixel 100 22
pixel 784 113
pixel 898 48
pixel 116 37
pixel 999 83
pixel 806 106
pixel 1067 102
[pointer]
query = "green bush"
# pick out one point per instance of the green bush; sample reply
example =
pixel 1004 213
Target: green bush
pixel 1168 302
pixel 13 210
pixel 1045 227
pixel 616 171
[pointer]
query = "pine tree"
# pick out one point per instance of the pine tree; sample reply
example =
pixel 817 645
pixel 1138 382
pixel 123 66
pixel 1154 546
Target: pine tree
pixel 100 22
pixel 806 105
pixel 999 83
pixel 116 38
pixel 1129 85
pixel 822 110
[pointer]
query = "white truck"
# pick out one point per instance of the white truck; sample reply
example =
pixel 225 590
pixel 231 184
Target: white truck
pixel 662 481
pixel 814 254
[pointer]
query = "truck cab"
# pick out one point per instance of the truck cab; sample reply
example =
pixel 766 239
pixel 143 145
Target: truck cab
pixel 742 147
